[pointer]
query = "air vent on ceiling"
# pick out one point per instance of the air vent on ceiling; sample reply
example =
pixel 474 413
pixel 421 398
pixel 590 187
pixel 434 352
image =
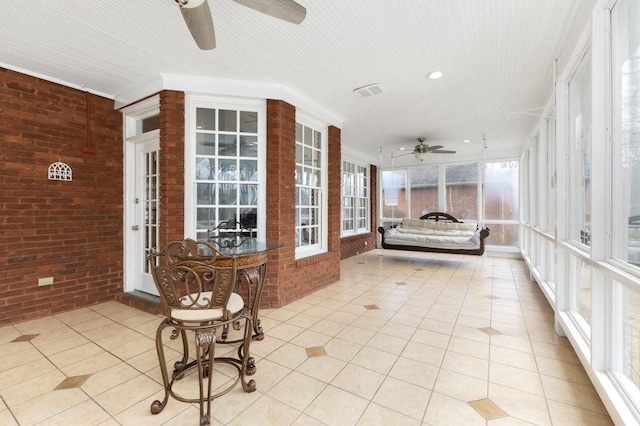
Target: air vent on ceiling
pixel 369 90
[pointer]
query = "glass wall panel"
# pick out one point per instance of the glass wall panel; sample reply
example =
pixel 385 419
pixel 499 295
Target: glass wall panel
pixel 580 153
pixel 580 281
pixel 626 129
pixel 423 190
pixel 503 235
pixel 501 191
pixel 631 335
pixel 462 190
pixel 394 194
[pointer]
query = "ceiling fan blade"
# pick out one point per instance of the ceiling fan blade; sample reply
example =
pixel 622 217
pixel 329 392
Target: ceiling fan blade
pixel 197 16
pixel 432 148
pixel 442 151
pixel 287 10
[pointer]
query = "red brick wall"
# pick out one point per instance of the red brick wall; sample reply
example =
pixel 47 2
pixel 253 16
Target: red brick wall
pixel 171 166
pixel 71 231
pixel 289 279
pixel 356 244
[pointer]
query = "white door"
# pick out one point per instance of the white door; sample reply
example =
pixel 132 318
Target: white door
pixel 143 211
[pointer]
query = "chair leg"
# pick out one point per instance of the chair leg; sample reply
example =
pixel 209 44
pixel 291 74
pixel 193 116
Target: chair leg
pixel 248 365
pixel 205 345
pixel 157 406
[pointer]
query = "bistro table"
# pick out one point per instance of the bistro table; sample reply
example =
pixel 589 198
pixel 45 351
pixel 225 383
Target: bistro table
pixel 251 262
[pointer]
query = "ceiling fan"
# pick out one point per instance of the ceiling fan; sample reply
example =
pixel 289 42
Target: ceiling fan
pixel 197 16
pixel 420 150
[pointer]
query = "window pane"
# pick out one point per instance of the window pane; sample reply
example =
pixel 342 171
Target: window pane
pixel 501 191
pixel 423 190
pixel 205 119
pixel 631 333
pixel 228 121
pixel 309 167
pixel 205 144
pixel 502 235
pixel 626 129
pixel 462 190
pixel 248 146
pixel 394 199
pixel 580 153
pixel 248 122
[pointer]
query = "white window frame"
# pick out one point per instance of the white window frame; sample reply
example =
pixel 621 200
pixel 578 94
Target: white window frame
pixel 321 247
pixel 194 101
pixel 356 190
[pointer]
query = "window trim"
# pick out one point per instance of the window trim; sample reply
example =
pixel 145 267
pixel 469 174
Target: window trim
pixel 323 128
pixel 355 230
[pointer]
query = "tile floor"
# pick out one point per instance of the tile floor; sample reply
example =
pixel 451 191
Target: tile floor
pixel 403 339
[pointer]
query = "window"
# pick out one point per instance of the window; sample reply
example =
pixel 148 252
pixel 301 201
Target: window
pixel 226 167
pixel 501 201
pixel 423 187
pixel 310 182
pixel 355 198
pixel 580 153
pixel 394 196
pixel 626 130
pixel 462 190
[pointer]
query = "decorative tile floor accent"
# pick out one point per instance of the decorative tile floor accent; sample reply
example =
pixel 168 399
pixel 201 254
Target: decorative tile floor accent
pixel 73 382
pixel 487 409
pixel 316 351
pixel 361 351
pixel 490 331
pixel 25 338
pixel 400 283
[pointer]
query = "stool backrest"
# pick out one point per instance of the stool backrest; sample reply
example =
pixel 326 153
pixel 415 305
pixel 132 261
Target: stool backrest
pixel 187 275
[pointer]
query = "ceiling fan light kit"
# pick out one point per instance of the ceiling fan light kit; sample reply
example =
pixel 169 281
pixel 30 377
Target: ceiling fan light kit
pixel 197 16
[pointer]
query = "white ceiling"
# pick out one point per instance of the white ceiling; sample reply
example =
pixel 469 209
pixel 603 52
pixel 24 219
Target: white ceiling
pixel 496 55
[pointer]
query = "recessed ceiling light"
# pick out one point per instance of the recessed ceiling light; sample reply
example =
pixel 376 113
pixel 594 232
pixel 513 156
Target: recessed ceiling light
pixel 466 141
pixel 434 75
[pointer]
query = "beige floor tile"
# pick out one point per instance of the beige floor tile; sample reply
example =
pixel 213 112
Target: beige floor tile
pixel 516 378
pixel 309 338
pixel 25 372
pixel 288 355
pixel 336 407
pixel 358 381
pixel 578 394
pixel 47 405
pixel 297 390
pixel 513 358
pixel 446 411
pixel 230 405
pixel 126 394
pixel 377 415
pixel 398 330
pixel 561 351
pixel 520 405
pixel 140 413
pixel 301 320
pixel 375 359
pixel 424 353
pixel 564 414
pixel 469 347
pixel 268 374
pixel 86 413
pixel 304 420
pixel 512 342
pixel 27 390
pixel 264 347
pixel 414 372
pixel 562 370
pixel 323 368
pixel 342 349
pixel 328 327
pixel 403 397
pixel 467 365
pixel 109 378
pixel 285 331
pixel 75 354
pixel 91 365
pixel 269 411
pixel 431 338
pixel 460 386
pixel 394 345
pixel 356 335
pixel 471 333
